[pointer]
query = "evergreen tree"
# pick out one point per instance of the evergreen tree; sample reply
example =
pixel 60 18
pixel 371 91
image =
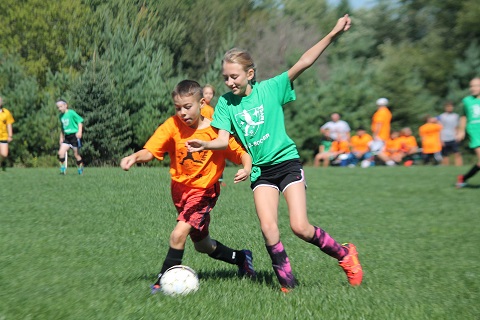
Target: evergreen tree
pixel 107 128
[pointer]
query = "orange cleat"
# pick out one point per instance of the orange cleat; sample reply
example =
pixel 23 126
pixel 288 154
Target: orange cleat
pixel 351 265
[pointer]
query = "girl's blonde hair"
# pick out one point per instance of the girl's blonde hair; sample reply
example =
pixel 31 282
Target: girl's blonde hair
pixel 241 57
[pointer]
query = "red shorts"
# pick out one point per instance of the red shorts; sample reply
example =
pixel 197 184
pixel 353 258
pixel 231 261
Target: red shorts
pixel 194 206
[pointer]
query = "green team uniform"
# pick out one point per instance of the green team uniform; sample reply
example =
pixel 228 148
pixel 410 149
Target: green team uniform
pixel 326 143
pixel 258 121
pixel 471 109
pixel 70 120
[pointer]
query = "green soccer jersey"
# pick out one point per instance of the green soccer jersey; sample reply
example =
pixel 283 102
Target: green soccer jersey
pixel 471 109
pixel 70 120
pixel 258 120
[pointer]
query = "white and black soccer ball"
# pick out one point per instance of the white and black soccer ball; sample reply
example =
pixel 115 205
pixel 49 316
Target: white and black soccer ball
pixel 179 280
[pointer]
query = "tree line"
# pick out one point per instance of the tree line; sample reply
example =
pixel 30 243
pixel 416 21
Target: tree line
pixel 116 62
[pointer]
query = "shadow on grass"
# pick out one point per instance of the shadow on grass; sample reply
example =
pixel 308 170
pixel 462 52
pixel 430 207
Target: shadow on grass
pixel 262 276
pixel 472 186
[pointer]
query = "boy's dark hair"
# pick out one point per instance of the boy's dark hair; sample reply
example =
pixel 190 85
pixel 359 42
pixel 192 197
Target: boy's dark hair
pixel 187 88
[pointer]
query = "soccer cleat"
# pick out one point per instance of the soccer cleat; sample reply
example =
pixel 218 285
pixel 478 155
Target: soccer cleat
pixel 460 182
pixel 63 170
pixel 351 265
pixel 155 288
pixel 80 170
pixel 285 290
pixel 246 268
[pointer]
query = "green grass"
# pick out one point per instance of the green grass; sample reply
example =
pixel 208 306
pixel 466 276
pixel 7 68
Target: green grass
pixel 88 247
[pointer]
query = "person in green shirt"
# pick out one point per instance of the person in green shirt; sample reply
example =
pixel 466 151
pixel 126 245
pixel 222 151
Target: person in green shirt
pixel 470 123
pixel 70 136
pixel 254 113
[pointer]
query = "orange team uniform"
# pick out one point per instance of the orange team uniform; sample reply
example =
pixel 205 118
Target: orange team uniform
pixel 5 119
pixel 407 143
pixel 360 143
pixel 207 111
pixel 340 146
pixel 430 134
pixel 393 146
pixel 193 169
pixel 382 116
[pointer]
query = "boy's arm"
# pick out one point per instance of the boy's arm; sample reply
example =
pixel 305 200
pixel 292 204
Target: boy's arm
pixel 312 54
pixel 244 173
pixel 461 128
pixel 138 157
pixel 219 143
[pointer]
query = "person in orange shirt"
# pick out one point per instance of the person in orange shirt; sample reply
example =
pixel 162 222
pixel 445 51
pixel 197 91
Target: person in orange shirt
pixel 360 146
pixel 431 141
pixel 340 152
pixel 408 146
pixel 381 121
pixel 208 94
pixel 6 133
pixel 391 153
pixel 194 178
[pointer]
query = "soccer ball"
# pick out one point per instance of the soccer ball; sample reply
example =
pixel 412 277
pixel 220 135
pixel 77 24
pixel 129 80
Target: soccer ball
pixel 179 280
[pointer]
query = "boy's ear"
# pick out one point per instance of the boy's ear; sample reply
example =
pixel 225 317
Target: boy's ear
pixel 202 102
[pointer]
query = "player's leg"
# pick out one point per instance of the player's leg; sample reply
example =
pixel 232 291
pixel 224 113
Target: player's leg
pixel 462 179
pixel 61 157
pixel 78 159
pixel 346 254
pixel 3 154
pixel 266 203
pixel 216 250
pixel 174 257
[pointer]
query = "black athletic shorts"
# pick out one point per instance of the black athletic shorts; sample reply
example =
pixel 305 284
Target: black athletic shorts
pixel 280 176
pixel 72 140
pixel 449 148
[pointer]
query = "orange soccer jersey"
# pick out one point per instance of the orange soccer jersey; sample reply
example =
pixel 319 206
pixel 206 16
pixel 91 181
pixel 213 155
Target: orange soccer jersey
pixel 194 169
pixel 383 116
pixel 430 134
pixel 392 146
pixel 407 143
pixel 207 111
pixel 340 146
pixel 360 143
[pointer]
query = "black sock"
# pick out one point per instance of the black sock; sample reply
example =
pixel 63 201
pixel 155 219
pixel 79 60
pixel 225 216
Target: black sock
pixel 227 254
pixel 174 258
pixel 471 173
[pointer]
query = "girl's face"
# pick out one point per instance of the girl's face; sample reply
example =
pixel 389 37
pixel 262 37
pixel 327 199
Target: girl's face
pixel 188 108
pixel 62 107
pixel 475 87
pixel 208 94
pixel 236 78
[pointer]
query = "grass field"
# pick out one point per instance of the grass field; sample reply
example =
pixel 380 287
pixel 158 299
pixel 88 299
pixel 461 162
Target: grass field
pixel 88 247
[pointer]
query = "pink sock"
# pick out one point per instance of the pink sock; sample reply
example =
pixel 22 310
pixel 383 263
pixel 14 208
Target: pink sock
pixel 328 245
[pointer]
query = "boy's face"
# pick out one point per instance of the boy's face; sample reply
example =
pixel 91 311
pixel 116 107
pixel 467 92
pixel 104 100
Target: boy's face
pixel 449 108
pixel 208 94
pixel 475 87
pixel 236 78
pixel 187 109
pixel 62 107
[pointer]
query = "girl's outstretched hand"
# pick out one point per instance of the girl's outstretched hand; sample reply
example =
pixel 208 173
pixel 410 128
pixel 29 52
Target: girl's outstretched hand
pixel 343 24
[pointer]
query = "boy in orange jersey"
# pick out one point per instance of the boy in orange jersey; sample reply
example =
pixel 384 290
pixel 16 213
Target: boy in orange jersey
pixel 431 141
pixel 194 185
pixel 381 121
pixel 208 94
pixel 408 146
pixel 360 146
pixel 391 153
pixel 340 152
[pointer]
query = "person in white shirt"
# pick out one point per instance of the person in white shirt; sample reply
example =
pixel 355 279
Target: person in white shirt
pixel 339 129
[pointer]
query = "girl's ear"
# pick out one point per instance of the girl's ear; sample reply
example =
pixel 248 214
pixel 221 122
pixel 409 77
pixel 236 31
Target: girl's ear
pixel 250 74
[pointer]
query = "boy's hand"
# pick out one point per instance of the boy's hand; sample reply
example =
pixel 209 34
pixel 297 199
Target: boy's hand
pixel 127 162
pixel 241 175
pixel 343 24
pixel 195 145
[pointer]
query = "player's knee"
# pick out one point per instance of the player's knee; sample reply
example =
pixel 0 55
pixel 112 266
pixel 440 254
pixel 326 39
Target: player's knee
pixel 79 162
pixel 301 230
